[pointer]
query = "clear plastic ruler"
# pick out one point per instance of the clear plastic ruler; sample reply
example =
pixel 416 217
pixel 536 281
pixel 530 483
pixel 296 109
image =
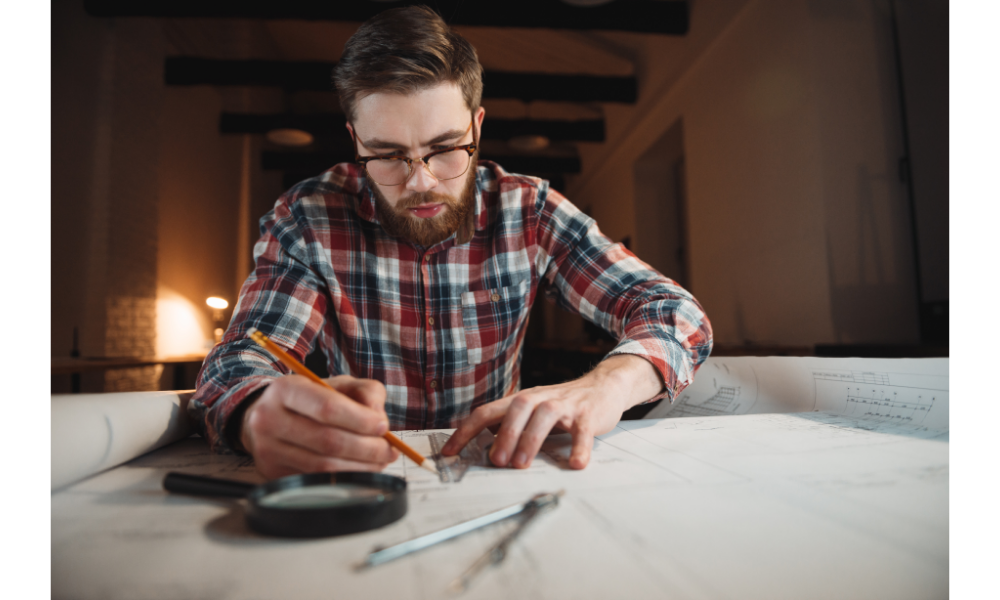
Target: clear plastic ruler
pixel 452 468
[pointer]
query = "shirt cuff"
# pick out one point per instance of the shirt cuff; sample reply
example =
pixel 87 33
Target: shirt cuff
pixel 231 409
pixel 668 357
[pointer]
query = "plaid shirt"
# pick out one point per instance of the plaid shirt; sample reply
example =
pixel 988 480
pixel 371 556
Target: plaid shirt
pixel 441 327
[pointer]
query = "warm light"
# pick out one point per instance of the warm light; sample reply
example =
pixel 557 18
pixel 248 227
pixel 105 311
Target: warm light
pixel 528 142
pixel 289 137
pixel 181 327
pixel 217 303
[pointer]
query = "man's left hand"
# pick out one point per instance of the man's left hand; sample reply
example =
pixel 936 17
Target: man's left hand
pixel 589 406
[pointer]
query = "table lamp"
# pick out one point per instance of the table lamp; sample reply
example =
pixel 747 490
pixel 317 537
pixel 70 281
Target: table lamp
pixel 218 305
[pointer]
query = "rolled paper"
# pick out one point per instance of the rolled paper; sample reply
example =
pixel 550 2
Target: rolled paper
pixel 95 432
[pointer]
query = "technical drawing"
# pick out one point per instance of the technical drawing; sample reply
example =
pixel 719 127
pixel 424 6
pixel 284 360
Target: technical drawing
pixel 882 397
pixel 721 403
pixel 723 400
pixel 721 388
pixel 879 404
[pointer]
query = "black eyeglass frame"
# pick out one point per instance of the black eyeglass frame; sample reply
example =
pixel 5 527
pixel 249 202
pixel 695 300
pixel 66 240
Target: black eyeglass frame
pixel 470 148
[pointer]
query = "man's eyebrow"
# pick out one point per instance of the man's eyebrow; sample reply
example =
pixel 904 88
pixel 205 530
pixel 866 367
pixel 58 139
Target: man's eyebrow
pixel 453 134
pixel 377 144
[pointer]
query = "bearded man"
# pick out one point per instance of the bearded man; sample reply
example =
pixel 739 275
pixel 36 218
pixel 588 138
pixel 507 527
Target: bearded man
pixel 414 270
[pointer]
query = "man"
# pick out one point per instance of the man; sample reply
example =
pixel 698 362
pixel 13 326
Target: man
pixel 414 270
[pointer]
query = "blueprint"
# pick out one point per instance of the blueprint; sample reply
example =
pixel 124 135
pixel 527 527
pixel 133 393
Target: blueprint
pixel 768 478
pixel 908 396
pixel 804 505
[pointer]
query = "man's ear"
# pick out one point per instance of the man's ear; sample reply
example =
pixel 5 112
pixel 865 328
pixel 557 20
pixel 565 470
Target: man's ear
pixel 350 129
pixel 478 118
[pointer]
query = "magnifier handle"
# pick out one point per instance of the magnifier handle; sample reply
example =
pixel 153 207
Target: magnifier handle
pixel 198 485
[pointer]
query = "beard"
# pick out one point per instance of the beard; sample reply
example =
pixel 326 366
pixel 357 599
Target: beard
pixel 399 222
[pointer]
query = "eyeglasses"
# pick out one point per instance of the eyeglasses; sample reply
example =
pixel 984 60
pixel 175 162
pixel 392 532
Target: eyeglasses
pixel 444 164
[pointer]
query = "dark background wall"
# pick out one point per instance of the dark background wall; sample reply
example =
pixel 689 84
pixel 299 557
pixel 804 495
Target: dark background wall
pixel 807 194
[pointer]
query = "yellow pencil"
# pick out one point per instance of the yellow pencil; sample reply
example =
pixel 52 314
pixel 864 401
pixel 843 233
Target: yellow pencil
pixel 301 369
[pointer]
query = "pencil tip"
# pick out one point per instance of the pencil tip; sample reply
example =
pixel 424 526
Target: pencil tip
pixel 429 465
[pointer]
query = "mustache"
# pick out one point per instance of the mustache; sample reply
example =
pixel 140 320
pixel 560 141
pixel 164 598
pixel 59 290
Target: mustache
pixel 420 198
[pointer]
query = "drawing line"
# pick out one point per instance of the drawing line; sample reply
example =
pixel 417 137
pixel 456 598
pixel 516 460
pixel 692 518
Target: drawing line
pixel 686 455
pixel 843 378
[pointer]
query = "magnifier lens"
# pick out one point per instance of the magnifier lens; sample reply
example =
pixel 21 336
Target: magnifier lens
pixel 322 496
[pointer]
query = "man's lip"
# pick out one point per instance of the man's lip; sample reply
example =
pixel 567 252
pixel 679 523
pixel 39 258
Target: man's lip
pixel 428 210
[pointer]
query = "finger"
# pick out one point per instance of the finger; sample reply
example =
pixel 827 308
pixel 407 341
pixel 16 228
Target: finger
pixel 279 458
pixel 331 407
pixel 583 442
pixel 520 410
pixel 332 441
pixel 481 418
pixel 543 419
pixel 368 392
pixel 276 422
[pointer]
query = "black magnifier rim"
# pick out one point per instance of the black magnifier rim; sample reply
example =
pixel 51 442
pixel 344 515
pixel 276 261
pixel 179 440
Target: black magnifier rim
pixel 387 506
pixel 329 521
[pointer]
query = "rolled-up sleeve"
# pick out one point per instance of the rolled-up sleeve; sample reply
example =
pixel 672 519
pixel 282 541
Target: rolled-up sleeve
pixel 285 299
pixel 649 314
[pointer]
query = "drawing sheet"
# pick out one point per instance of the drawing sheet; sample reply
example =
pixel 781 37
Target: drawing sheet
pixel 810 505
pixel 912 392
pixel 94 432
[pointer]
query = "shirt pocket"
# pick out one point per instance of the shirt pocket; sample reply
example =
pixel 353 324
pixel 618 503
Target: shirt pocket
pixel 490 319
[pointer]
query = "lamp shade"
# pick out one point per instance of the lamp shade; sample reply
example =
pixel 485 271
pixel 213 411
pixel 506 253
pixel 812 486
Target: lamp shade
pixel 216 302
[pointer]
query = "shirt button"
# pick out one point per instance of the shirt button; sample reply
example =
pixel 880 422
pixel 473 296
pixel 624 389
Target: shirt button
pixel 430 320
pixel 434 384
pixel 426 258
pixel 495 297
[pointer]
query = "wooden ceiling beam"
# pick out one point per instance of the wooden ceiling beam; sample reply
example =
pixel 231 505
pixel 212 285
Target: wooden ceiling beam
pixel 331 125
pixel 316 76
pixel 669 17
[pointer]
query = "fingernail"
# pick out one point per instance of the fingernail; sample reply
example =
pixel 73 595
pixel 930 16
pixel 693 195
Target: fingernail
pixel 499 458
pixel 382 428
pixel 521 459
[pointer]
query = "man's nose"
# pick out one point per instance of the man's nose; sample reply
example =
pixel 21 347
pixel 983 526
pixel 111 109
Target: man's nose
pixel 421 179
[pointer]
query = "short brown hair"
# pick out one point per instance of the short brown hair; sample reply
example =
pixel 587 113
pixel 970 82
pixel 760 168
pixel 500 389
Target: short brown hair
pixel 405 50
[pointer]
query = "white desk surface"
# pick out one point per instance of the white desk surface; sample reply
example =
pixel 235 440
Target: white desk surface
pixel 809 505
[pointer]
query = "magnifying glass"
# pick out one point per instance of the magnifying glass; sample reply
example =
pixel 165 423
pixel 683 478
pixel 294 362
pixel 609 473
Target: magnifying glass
pixel 310 505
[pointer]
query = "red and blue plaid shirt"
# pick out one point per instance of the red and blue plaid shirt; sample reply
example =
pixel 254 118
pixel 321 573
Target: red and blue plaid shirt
pixel 441 327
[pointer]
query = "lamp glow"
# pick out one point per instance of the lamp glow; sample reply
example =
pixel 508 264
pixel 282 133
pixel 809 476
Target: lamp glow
pixel 181 327
pixel 217 303
pixel 289 137
pixel 528 142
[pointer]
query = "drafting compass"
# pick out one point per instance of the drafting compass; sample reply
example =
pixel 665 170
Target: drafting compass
pixel 525 512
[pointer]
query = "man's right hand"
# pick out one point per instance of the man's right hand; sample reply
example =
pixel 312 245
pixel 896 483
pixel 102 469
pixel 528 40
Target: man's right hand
pixel 297 426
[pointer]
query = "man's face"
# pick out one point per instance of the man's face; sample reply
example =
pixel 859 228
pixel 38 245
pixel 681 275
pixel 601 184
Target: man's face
pixel 424 209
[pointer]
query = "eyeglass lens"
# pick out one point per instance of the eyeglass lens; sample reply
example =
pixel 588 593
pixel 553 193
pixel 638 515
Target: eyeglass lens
pixel 447 165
